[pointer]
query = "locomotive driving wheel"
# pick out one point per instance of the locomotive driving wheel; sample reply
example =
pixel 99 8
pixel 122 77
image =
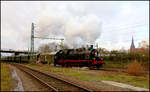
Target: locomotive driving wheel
pixel 91 67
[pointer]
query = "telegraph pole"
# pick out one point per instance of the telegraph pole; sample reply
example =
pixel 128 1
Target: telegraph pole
pixel 32 41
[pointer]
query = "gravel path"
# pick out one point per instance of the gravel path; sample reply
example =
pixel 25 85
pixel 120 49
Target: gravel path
pixel 19 86
pixel 125 86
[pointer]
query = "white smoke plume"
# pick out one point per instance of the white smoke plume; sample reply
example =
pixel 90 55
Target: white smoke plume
pixel 76 26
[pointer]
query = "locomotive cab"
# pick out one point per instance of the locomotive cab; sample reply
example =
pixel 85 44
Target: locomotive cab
pixel 57 57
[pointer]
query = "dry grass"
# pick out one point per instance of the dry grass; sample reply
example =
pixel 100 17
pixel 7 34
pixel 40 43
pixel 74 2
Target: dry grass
pixel 6 78
pixel 135 68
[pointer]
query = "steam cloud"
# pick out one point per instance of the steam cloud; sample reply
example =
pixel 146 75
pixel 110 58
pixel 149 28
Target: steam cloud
pixel 77 26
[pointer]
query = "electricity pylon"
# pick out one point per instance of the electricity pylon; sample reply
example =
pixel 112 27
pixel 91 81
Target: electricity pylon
pixel 32 41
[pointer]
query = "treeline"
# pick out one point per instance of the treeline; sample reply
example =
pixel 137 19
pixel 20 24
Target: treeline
pixel 125 56
pixel 122 58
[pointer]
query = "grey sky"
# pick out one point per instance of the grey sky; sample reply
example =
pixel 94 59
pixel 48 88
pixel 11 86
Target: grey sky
pixel 117 21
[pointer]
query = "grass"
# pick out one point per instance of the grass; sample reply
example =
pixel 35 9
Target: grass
pixel 141 81
pixel 116 64
pixel 97 76
pixel 6 78
pixel 123 64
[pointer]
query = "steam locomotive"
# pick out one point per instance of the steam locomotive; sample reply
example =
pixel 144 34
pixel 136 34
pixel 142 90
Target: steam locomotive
pixel 79 57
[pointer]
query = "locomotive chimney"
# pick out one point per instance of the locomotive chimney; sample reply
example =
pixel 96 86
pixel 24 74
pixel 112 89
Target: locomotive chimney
pixel 91 47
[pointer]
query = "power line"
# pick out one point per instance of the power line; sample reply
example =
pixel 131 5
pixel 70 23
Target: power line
pixel 118 41
pixel 128 27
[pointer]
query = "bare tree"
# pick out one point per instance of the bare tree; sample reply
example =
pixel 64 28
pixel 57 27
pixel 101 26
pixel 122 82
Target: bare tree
pixel 44 48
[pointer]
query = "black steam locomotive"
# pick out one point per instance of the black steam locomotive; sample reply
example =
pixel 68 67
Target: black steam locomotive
pixel 78 57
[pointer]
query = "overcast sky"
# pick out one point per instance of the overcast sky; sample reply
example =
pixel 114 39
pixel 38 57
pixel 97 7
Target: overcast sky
pixel 111 24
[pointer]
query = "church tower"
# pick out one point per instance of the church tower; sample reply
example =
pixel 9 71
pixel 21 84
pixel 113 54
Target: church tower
pixel 132 47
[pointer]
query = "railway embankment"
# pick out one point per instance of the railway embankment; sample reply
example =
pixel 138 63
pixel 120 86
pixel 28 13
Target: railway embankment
pixel 95 77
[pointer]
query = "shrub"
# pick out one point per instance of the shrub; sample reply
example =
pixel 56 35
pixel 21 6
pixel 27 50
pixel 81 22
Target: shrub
pixel 135 68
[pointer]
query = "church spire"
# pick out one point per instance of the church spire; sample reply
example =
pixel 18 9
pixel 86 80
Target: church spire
pixel 132 44
pixel 132 48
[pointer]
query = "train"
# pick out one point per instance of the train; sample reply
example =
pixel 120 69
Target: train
pixel 81 57
pixel 45 58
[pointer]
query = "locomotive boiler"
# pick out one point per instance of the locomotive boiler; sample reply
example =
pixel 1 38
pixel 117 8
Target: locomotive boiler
pixel 79 57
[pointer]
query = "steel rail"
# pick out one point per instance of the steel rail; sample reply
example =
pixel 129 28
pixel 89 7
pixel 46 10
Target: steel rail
pixel 39 80
pixel 83 88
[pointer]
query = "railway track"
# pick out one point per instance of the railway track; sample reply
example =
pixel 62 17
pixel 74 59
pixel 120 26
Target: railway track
pixel 50 82
pixel 113 69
